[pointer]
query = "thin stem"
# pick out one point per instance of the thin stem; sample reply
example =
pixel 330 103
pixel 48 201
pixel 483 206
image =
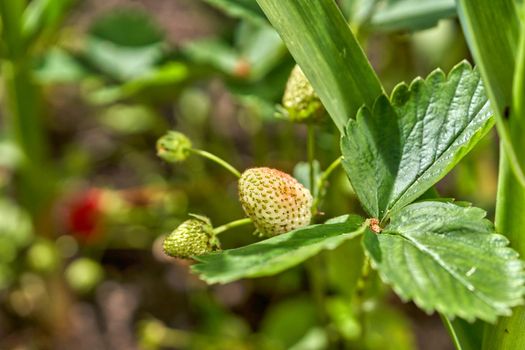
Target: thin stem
pixel 230 225
pixel 217 160
pixel 311 155
pixel 451 332
pixel 321 181
pixel 360 294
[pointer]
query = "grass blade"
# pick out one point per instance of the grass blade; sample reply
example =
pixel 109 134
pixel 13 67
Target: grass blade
pixel 495 53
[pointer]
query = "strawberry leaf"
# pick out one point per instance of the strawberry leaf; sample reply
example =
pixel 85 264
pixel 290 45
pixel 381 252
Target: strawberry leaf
pixel 447 258
pixel 278 253
pixel 398 150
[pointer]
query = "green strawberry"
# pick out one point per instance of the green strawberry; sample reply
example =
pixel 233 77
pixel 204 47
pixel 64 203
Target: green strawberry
pixel 193 237
pixel 300 102
pixel 275 201
pixel 174 147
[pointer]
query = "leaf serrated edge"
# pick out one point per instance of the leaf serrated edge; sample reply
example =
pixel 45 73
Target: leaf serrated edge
pixel 464 65
pixel 499 310
pixel 359 230
pixel 407 89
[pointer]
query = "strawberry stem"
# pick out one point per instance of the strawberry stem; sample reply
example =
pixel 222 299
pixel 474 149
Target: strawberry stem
pixel 230 225
pixel 322 180
pixel 311 155
pixel 217 160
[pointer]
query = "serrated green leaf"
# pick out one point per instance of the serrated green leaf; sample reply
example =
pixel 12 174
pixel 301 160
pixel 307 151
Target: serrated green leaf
pixel 278 253
pixel 398 150
pixel 447 258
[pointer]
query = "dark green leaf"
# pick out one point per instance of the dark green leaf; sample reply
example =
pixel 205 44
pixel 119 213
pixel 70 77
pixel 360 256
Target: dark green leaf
pixel 447 258
pixel 398 150
pixel 278 253
pixel 125 44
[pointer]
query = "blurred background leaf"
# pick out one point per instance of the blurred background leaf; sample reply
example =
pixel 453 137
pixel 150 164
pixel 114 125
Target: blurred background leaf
pixel 125 44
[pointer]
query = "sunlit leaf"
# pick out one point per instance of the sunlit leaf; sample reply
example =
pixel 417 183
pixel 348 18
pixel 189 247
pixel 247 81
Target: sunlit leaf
pixel 278 253
pixel 448 258
pixel 399 149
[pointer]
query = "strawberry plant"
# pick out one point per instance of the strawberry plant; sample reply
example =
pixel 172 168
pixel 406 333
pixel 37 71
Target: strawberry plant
pixel 331 226
pixel 442 254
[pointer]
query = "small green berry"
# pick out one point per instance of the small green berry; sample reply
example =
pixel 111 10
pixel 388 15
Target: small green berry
pixel 300 102
pixel 84 274
pixel 43 256
pixel 193 237
pixel 275 201
pixel 174 147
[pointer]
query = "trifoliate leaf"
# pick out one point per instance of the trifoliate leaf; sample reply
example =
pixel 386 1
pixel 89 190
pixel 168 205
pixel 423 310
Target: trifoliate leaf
pixel 397 151
pixel 447 258
pixel 278 253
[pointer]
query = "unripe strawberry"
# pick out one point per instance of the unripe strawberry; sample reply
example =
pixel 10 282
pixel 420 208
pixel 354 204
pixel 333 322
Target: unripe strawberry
pixel 174 147
pixel 192 238
pixel 300 102
pixel 275 201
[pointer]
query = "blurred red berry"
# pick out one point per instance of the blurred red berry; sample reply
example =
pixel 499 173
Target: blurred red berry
pixel 85 214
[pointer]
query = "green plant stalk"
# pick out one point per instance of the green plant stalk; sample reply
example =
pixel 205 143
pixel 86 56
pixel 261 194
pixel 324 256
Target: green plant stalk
pixel 11 13
pixel 23 117
pixel 503 77
pixel 217 160
pixel 26 131
pixel 507 333
pixel 451 332
pixel 230 225
pixel 320 40
pixel 478 19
